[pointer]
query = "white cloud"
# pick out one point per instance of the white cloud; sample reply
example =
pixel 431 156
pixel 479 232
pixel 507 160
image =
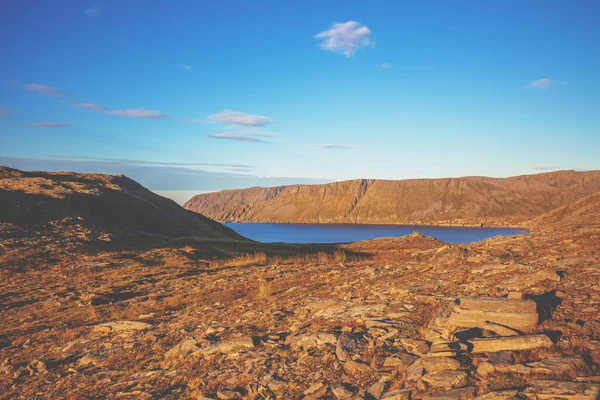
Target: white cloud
pixel 36 87
pixel 49 124
pixel 385 65
pixel 345 38
pixel 186 67
pixel 237 118
pixel 92 106
pixel 93 11
pixel 139 113
pixel 543 83
pixel 248 138
pixel 335 146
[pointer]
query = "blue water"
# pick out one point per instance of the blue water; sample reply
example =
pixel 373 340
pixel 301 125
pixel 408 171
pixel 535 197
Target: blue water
pixel 343 233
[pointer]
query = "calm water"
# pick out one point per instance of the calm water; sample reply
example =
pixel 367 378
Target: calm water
pixel 341 233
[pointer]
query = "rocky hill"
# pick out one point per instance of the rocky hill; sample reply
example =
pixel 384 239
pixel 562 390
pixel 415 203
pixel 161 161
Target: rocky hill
pixel 454 201
pixel 102 201
pixel 582 213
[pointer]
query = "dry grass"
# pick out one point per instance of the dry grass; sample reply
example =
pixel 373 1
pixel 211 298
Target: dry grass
pixel 245 260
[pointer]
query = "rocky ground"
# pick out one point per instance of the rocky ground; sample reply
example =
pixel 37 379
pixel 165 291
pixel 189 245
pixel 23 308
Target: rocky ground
pixel 82 317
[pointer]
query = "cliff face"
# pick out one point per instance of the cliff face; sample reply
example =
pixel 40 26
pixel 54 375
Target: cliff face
pixel 103 201
pixel 457 201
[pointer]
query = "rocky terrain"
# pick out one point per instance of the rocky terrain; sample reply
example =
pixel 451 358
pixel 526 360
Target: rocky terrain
pixel 457 201
pixel 85 316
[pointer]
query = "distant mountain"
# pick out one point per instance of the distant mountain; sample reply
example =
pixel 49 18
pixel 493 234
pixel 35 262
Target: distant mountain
pixel 103 201
pixel 454 201
pixel 583 213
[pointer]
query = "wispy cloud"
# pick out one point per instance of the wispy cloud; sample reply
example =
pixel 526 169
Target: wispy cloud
pixel 4 112
pixel 146 162
pixel 385 65
pixel 49 124
pixel 345 38
pixel 92 106
pixel 186 67
pixel 248 138
pixel 543 167
pixel 543 83
pixel 158 177
pixel 93 11
pixel 335 146
pixel 139 113
pixel 36 87
pixel 238 118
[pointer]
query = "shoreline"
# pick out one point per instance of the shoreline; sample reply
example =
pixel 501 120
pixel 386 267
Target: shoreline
pixel 430 225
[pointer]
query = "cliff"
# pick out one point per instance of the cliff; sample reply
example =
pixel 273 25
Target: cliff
pixel 453 201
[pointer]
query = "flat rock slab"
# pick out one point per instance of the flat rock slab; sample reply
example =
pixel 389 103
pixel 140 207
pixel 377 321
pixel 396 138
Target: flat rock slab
pixel 446 379
pixel 308 341
pixel 499 315
pixel 510 343
pixel 402 394
pixel 435 364
pixel 559 366
pixel 227 346
pixel 120 327
pixel 499 395
pixel 547 389
pixel 453 394
pixel 526 280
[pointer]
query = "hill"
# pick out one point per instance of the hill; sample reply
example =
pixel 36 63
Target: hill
pixel 453 201
pixel 102 201
pixel 584 212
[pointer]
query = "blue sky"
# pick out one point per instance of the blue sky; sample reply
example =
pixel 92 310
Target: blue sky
pixel 271 92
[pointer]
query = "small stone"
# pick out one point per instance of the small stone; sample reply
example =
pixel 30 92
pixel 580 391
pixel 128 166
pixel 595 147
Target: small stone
pixel 376 389
pixel 349 344
pixel 415 371
pixel 228 395
pixel 515 296
pixel 446 379
pixel 315 391
pixel 340 392
pixel 353 367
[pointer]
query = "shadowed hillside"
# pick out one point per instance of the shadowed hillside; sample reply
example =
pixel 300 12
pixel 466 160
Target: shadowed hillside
pixel 457 201
pixel 103 201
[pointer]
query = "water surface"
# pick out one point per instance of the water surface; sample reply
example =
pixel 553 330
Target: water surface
pixel 343 233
